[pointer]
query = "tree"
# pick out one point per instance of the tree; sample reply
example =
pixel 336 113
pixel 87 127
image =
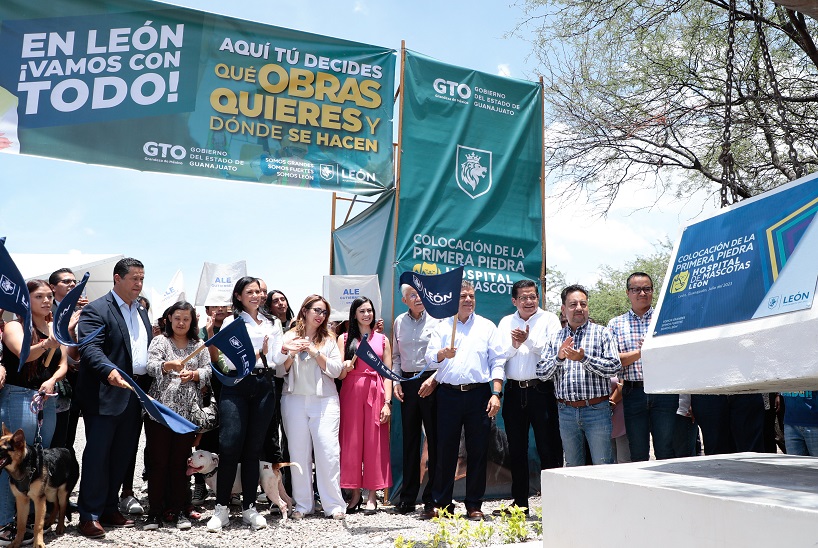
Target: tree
pixel 608 297
pixel 635 94
pixel 554 282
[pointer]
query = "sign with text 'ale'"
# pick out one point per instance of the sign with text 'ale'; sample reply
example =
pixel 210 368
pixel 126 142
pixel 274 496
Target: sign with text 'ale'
pixel 155 87
pixel 470 179
pixel 754 260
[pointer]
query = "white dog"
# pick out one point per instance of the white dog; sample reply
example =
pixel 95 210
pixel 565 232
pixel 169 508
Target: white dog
pixel 207 463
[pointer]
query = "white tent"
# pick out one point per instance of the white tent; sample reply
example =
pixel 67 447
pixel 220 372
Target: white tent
pixel 41 265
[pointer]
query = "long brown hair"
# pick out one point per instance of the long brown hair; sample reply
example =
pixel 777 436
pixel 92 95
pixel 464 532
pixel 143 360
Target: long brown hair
pixel 300 323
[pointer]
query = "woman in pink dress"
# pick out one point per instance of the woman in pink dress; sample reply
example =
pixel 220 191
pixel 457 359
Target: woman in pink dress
pixel 366 406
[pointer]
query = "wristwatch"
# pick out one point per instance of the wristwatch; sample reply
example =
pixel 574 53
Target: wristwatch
pixel 498 394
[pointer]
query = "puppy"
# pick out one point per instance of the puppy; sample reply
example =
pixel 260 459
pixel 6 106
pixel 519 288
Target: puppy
pixel 40 477
pixel 207 464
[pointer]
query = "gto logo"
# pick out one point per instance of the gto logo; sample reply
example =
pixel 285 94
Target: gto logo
pixel 447 87
pixel 162 150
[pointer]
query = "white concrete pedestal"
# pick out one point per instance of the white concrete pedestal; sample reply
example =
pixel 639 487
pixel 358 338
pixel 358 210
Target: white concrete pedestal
pixel 746 499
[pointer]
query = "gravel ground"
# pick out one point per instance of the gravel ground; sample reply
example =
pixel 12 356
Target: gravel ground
pixel 314 531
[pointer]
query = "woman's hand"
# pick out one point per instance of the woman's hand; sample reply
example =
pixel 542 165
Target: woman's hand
pixel 295 345
pixel 349 365
pixel 188 375
pixel 48 387
pixel 172 365
pixel 386 412
pixel 49 343
pixel 264 345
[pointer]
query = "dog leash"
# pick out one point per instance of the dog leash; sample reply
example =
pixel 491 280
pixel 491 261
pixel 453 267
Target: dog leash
pixel 36 407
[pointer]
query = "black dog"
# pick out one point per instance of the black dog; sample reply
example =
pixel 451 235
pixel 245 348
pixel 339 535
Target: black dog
pixel 39 475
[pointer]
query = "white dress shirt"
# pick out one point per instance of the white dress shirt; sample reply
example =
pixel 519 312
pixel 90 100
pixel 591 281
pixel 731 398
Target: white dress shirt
pixel 257 332
pixel 137 333
pixel 479 356
pixel 521 363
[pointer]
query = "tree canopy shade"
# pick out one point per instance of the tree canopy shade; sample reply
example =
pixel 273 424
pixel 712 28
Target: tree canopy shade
pixel 635 93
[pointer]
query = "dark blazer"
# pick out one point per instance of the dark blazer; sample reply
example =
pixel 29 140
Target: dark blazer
pixel 111 346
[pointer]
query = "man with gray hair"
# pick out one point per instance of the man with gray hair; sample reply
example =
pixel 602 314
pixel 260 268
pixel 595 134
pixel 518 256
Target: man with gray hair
pixel 412 331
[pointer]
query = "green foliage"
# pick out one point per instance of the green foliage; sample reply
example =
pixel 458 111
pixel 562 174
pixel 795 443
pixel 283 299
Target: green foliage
pixel 608 298
pixel 482 533
pixel 635 95
pixel 536 525
pixel 515 528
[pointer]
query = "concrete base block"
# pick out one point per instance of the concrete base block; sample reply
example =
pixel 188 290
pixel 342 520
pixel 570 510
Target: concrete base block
pixel 746 499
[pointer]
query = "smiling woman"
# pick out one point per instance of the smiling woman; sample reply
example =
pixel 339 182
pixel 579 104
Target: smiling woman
pixel 47 363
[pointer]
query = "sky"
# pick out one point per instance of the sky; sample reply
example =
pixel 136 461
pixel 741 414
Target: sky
pixel 176 222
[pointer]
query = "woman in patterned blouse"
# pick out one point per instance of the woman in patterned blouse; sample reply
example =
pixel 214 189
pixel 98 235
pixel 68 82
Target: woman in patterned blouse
pixel 178 387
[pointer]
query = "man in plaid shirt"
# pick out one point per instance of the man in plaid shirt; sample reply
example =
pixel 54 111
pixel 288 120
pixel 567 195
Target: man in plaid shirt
pixel 646 415
pixel 581 358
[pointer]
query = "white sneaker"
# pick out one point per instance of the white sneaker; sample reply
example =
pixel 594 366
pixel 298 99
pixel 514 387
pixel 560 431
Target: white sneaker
pixel 183 523
pixel 221 517
pixel 129 505
pixel 253 519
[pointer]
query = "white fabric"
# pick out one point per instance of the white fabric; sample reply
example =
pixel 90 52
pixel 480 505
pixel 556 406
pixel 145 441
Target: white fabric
pixel 521 363
pixel 137 333
pixel 479 356
pixel 257 332
pixel 217 281
pixel 311 421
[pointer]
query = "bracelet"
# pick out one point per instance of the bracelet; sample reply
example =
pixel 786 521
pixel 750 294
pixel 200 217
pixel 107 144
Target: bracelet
pixel 389 403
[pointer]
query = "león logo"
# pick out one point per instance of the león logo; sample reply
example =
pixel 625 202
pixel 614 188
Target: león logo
pixel 236 343
pixel 772 303
pixel 7 285
pixel 679 282
pixel 328 172
pixel 473 171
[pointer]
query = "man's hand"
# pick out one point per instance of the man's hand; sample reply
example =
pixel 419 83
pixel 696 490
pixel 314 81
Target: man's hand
pixel 427 387
pixel 446 354
pixel 115 379
pixel 518 336
pixel 575 355
pixel 398 391
pixel 494 406
pixel 566 344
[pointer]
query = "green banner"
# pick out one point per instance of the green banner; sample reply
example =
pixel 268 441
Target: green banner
pixel 153 87
pixel 472 146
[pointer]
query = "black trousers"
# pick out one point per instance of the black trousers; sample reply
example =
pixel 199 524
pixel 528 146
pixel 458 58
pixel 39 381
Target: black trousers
pixel 144 382
pixel 534 407
pixel 464 411
pixel 730 423
pixel 417 413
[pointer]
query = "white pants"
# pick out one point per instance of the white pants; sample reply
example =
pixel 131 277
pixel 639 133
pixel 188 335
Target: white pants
pixel 312 422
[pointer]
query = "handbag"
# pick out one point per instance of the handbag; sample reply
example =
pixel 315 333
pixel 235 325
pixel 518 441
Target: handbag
pixel 204 413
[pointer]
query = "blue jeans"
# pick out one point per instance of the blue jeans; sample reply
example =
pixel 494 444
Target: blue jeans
pixel 649 415
pixel 592 423
pixel 801 440
pixel 15 413
pixel 245 412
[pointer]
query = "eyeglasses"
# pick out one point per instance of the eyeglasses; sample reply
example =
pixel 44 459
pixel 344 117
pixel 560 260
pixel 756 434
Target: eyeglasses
pixel 319 311
pixel 68 281
pixel 638 290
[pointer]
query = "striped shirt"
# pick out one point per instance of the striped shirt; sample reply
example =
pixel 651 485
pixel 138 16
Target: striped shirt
pixel 588 379
pixel 629 331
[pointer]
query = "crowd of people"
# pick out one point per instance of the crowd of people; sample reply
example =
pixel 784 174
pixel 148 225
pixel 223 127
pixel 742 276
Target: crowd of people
pixel 576 384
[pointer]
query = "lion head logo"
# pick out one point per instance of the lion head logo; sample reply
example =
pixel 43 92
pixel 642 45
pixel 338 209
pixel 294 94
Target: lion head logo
pixel 473 170
pixel 679 282
pixel 429 269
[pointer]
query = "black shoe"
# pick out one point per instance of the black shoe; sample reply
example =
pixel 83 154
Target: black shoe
pixel 152 523
pixel 404 508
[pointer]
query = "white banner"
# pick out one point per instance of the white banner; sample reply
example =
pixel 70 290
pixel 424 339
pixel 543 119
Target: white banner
pixel 340 291
pixel 217 281
pixel 161 301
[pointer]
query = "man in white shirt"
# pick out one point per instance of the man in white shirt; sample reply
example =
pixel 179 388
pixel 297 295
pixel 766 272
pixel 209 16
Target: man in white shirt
pixel 529 402
pixel 411 332
pixel 469 384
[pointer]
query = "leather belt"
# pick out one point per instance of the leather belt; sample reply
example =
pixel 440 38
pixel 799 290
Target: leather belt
pixel 523 384
pixel 464 387
pixel 410 374
pixel 584 403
